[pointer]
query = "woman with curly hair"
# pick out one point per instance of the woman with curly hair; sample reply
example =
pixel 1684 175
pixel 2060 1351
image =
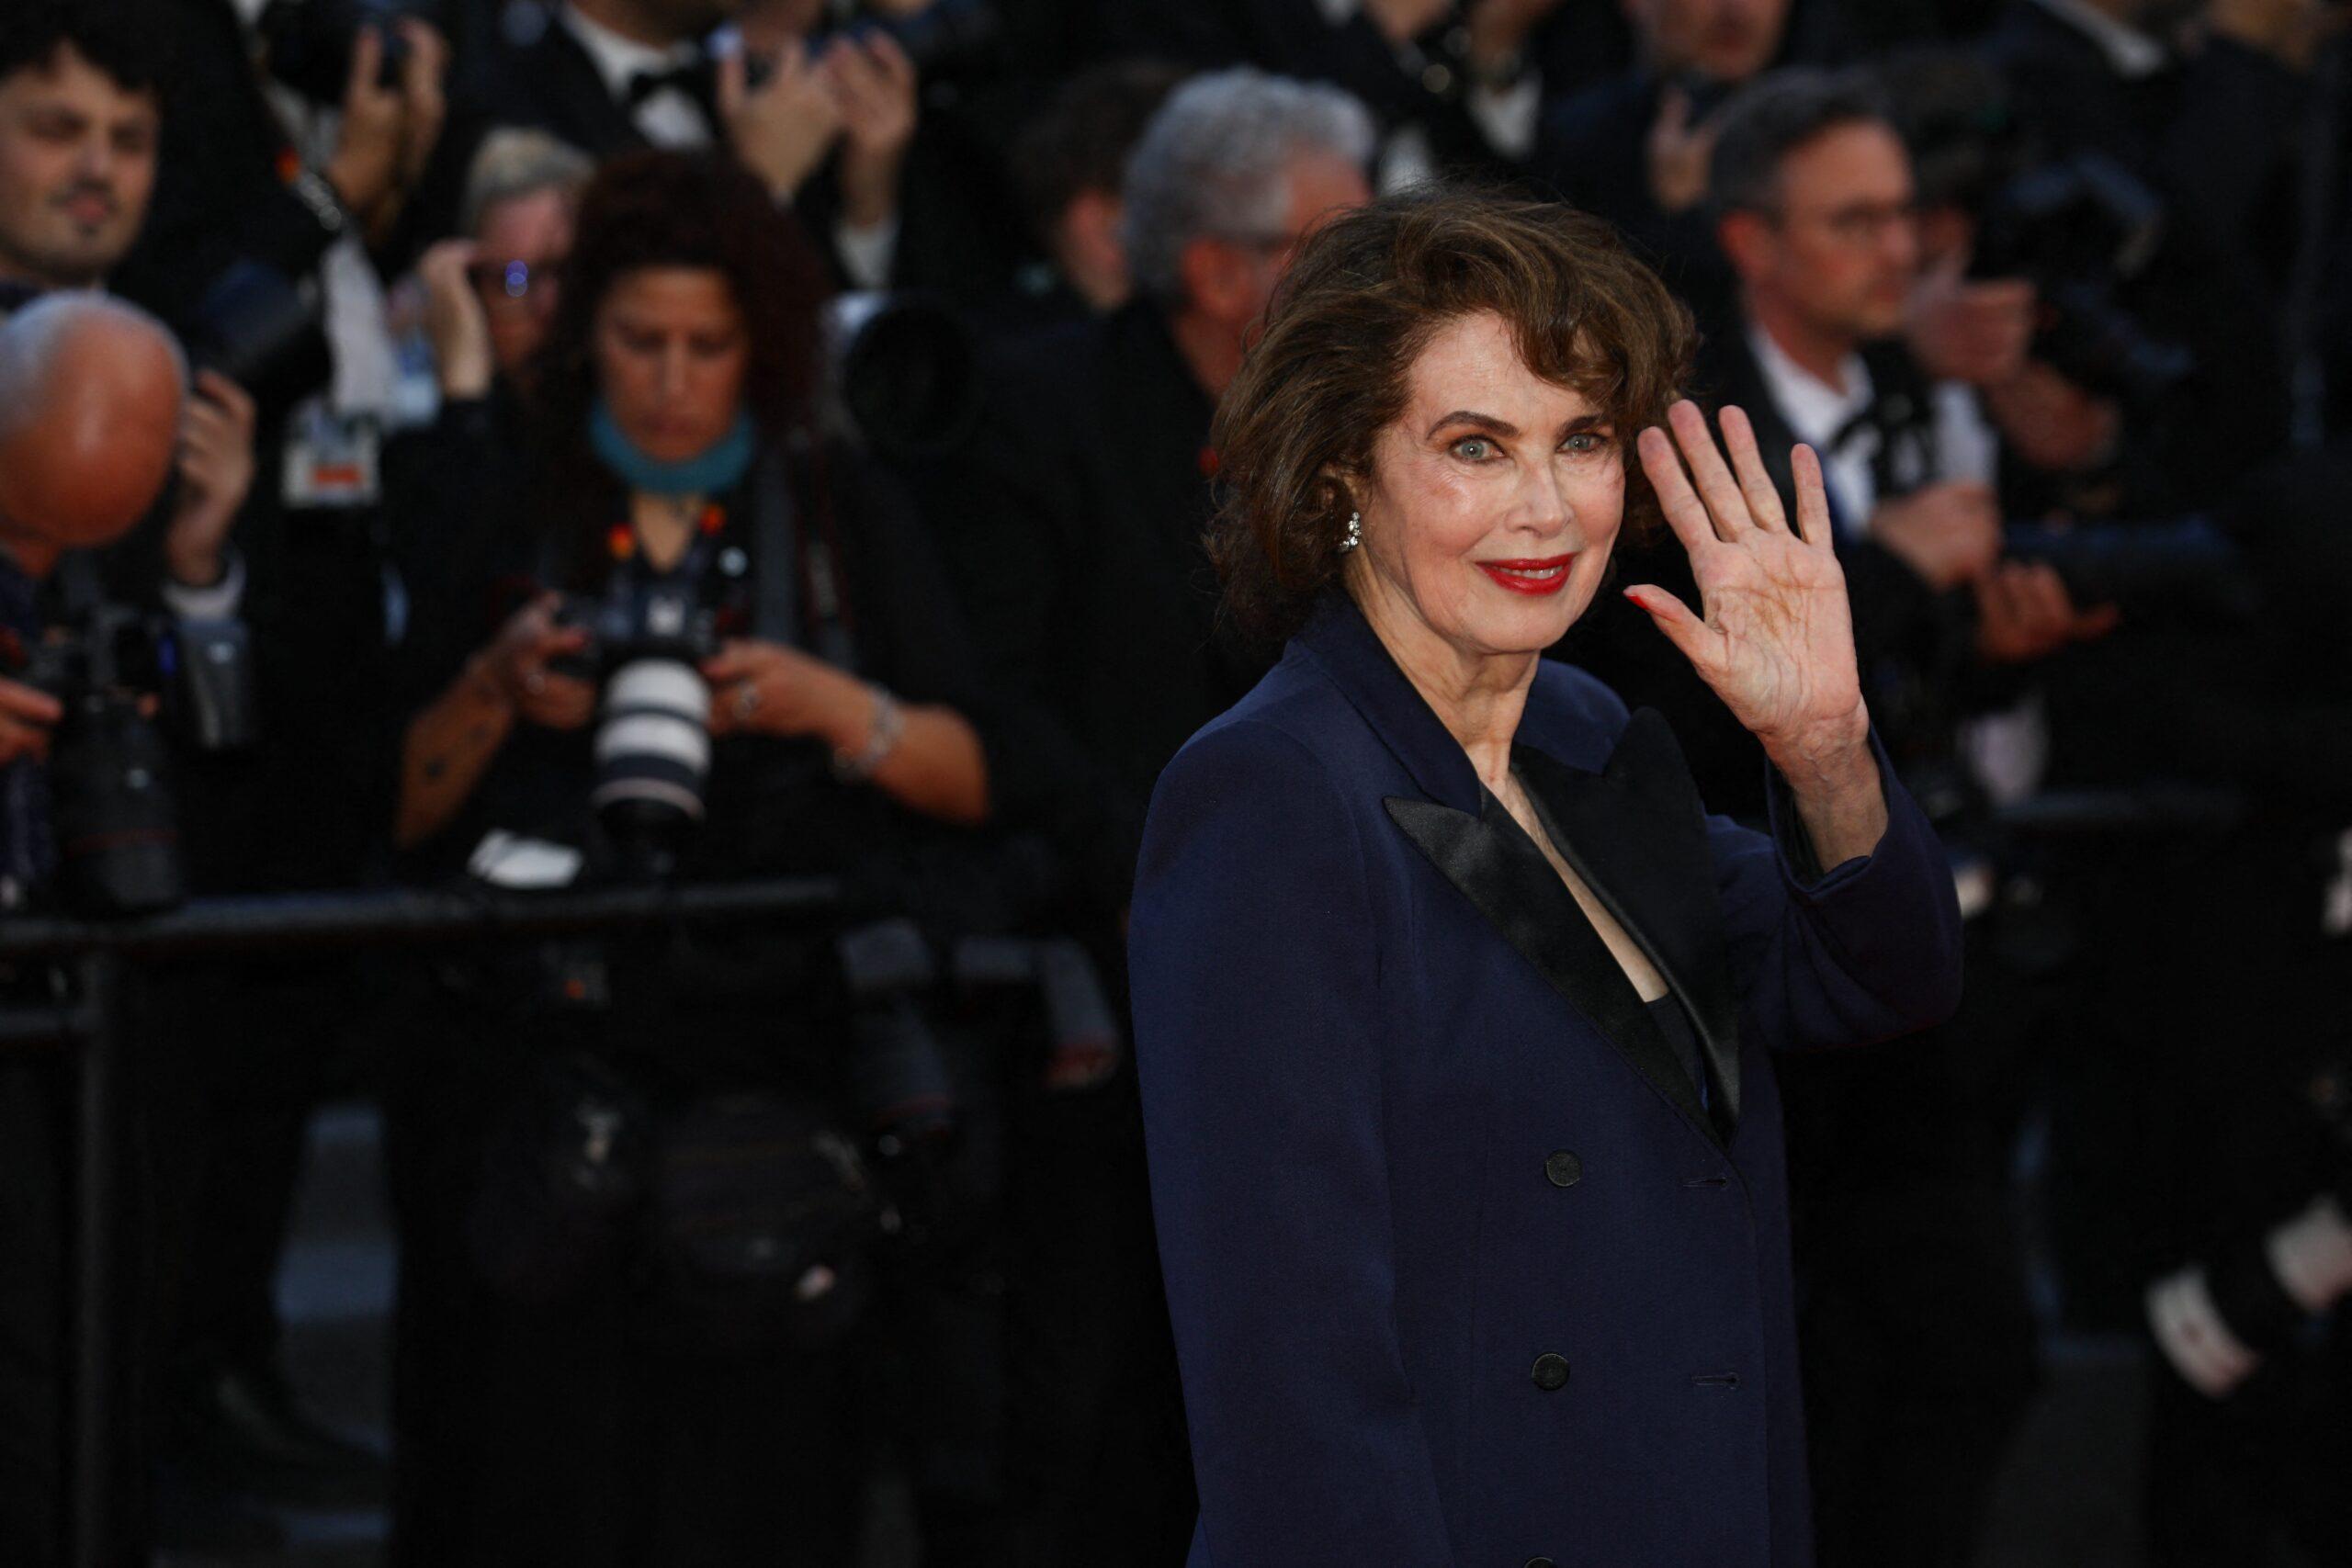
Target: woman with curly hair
pixel 1452 1008
pixel 672 629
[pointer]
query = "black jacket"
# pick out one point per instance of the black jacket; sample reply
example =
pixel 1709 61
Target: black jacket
pixel 1073 527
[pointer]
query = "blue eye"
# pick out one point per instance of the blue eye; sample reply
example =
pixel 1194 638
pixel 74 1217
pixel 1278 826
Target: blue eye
pixel 1584 442
pixel 1465 448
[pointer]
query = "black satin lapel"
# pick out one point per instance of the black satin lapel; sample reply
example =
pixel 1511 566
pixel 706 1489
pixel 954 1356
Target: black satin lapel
pixel 1637 835
pixel 1505 876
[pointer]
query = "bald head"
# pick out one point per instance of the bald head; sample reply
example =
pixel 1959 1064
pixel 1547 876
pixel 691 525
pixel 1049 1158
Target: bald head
pixel 90 395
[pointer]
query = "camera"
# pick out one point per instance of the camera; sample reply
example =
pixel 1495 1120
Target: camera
pixel 2218 1319
pixel 647 642
pixel 902 373
pixel 2183 572
pixel 267 333
pixel 2078 230
pixel 943 37
pixel 116 825
pixel 308 42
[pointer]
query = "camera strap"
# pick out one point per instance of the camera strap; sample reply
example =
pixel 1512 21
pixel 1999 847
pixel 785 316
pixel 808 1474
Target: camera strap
pixel 776 551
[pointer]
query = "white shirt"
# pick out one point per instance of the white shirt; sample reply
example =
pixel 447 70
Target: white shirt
pixel 1815 412
pixel 2130 53
pixel 669 118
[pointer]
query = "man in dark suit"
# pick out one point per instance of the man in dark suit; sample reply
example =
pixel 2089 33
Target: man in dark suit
pixel 1073 518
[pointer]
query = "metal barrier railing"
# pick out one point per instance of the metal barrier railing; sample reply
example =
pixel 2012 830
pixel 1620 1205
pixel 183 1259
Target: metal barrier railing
pixel 101 953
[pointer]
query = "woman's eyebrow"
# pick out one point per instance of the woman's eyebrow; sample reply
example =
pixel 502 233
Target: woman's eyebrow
pixel 1486 422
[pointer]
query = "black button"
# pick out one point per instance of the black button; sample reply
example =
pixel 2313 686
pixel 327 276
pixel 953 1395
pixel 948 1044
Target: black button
pixel 1539 1563
pixel 1564 1169
pixel 1551 1372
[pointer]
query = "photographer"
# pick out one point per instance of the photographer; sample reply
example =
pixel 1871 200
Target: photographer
pixel 669 456
pixel 90 406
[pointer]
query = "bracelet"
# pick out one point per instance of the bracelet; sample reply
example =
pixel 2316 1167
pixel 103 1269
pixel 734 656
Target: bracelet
pixel 889 722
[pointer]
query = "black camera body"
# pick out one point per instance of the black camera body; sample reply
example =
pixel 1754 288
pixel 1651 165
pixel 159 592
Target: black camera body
pixel 115 821
pixel 2078 230
pixel 308 42
pixel 647 642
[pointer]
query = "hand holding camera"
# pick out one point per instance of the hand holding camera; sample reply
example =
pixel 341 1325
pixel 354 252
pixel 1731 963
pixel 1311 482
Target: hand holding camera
pixel 2024 613
pixel 783 128
pixel 517 661
pixel 872 84
pixel 1950 533
pixel 389 128
pixel 765 688
pixel 28 715
pixel 216 471
pixel 1975 331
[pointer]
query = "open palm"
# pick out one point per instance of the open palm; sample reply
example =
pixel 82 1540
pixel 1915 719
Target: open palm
pixel 1777 643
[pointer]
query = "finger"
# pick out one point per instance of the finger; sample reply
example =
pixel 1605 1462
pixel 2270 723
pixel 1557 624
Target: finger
pixel 1812 496
pixel 1674 112
pixel 2092 625
pixel 1685 513
pixel 1721 492
pixel 204 425
pixel 1687 632
pixel 896 68
pixel 233 399
pixel 736 662
pixel 2040 587
pixel 1763 501
pixel 19 741
pixel 2000 297
pixel 366 64
pixel 20 701
pixel 730 85
pixel 429 53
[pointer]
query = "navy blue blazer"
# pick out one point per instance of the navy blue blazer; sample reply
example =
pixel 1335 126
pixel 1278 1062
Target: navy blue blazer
pixel 1463 1270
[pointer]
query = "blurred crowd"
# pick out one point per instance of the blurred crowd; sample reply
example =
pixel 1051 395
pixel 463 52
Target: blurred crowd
pixel 640 441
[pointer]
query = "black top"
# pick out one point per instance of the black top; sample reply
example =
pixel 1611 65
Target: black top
pixel 774 806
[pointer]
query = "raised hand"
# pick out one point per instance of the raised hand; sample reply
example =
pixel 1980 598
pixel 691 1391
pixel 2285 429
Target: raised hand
pixel 873 84
pixel 783 127
pixel 216 471
pixel 1777 643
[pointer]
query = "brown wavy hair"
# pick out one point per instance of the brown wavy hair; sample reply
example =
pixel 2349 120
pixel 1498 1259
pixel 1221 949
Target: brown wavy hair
pixel 687 209
pixel 1363 298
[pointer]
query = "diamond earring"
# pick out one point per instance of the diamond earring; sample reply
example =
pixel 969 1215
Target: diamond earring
pixel 1355 535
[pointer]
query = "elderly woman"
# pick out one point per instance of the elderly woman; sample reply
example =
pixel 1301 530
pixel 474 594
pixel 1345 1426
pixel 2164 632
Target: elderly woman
pixel 1452 1008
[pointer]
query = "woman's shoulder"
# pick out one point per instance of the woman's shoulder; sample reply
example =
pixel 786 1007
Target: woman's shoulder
pixel 1293 736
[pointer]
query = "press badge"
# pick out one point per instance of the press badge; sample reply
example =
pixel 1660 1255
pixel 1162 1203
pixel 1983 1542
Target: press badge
pixel 331 458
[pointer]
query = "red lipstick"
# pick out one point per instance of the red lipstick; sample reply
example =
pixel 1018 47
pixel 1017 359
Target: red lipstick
pixel 1539 578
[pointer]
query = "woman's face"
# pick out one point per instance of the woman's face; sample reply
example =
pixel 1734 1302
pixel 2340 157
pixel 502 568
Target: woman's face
pixel 1492 503
pixel 671 350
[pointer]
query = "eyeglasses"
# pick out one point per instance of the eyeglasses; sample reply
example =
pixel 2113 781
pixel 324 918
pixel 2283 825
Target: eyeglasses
pixel 511 283
pixel 1860 225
